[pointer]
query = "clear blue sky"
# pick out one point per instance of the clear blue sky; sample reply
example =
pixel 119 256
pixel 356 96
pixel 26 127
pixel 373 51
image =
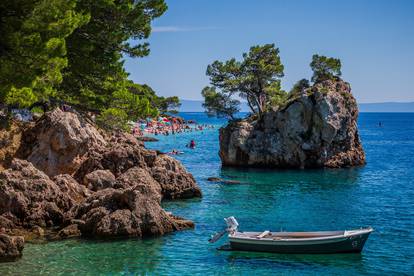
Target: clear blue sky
pixel 373 38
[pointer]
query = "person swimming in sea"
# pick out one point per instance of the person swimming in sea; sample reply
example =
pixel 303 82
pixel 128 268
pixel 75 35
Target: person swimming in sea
pixel 175 152
pixel 191 145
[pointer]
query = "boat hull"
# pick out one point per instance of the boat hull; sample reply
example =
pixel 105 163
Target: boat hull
pixel 352 244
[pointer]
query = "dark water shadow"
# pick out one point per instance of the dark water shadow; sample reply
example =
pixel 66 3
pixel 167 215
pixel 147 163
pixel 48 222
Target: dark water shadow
pixel 96 257
pixel 305 262
pixel 306 179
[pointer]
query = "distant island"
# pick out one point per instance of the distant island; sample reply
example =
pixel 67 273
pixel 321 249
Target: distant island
pixel 196 106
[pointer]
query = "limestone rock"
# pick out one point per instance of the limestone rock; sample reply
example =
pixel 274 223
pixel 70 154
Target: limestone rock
pixel 64 143
pixel 138 176
pixel 38 232
pixel 317 129
pixel 88 183
pixel 121 154
pixel 5 223
pixel 99 179
pixel 224 181
pixel 130 212
pixel 175 181
pixel 58 142
pixel 71 187
pixel 122 157
pixel 181 223
pixel 214 179
pixel 10 247
pixel 29 198
pixel 70 231
pixel 147 139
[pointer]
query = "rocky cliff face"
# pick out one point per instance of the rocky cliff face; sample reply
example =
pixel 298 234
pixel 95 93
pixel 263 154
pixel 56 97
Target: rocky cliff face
pixel 59 142
pixel 317 129
pixel 69 179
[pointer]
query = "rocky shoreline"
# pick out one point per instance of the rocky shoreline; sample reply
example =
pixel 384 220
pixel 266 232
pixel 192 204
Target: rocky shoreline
pixel 314 130
pixel 69 179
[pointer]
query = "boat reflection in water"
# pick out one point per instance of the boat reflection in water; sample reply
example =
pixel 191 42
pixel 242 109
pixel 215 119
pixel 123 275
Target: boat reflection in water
pixel 321 242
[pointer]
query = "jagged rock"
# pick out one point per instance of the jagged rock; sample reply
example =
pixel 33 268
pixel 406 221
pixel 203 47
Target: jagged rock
pixel 147 139
pixel 224 181
pixel 126 180
pixel 90 164
pixel 138 176
pixel 318 129
pixel 122 157
pixel 70 231
pixel 124 138
pixel 131 212
pixel 10 247
pixel 5 224
pixel 58 142
pixel 29 198
pixel 71 187
pixel 174 180
pixel 10 138
pixel 181 223
pixel 38 232
pixel 99 179
pixel 64 143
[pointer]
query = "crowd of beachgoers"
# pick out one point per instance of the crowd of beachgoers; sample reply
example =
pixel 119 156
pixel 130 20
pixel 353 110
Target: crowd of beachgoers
pixel 167 126
pixel 148 127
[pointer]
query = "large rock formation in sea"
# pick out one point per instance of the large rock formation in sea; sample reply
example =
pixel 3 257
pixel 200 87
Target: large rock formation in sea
pixel 68 179
pixel 316 129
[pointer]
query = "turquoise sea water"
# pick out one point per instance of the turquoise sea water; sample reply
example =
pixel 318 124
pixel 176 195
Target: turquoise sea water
pixel 380 195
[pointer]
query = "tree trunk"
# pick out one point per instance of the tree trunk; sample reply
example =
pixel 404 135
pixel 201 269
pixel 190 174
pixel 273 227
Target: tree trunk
pixel 250 105
pixel 259 105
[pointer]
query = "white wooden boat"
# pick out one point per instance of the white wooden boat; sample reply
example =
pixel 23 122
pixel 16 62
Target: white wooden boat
pixel 295 242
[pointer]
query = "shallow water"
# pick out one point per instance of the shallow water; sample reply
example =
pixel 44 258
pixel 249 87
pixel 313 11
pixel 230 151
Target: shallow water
pixel 380 195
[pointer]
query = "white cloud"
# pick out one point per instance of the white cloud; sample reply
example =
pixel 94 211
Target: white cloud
pixel 173 29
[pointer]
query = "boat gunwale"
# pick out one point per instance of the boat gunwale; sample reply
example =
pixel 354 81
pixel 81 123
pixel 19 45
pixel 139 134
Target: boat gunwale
pixel 345 234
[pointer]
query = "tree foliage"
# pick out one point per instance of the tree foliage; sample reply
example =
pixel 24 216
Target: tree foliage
pixel 72 51
pixel 135 106
pixel 256 78
pixel 163 104
pixel 325 68
pixel 33 47
pixel 219 104
pixel 113 119
pixel 299 87
pixel 95 50
pixel 168 104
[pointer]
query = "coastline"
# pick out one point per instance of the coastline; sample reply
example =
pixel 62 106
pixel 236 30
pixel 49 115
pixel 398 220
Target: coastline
pixel 64 178
pixel 343 198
